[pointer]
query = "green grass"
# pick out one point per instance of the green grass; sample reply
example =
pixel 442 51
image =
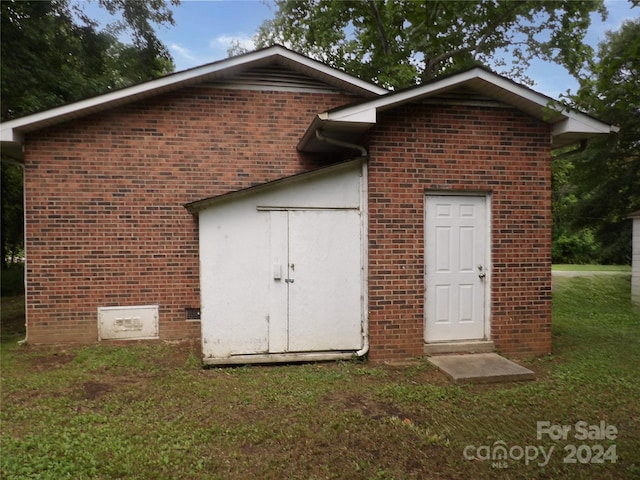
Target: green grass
pixel 591 268
pixel 151 412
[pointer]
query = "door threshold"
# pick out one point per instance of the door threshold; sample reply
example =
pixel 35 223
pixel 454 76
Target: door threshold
pixel 467 346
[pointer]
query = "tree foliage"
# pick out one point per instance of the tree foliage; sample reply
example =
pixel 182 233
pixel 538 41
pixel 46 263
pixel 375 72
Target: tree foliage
pixel 12 216
pixel 52 53
pixel 602 184
pixel 398 43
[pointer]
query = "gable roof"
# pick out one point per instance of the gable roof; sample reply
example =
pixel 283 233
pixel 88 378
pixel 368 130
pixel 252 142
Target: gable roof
pixel 348 123
pixel 332 130
pixel 12 131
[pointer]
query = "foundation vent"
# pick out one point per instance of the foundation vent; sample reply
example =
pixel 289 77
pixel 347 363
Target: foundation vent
pixel 128 323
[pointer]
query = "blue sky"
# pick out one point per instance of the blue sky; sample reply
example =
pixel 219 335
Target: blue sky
pixel 204 30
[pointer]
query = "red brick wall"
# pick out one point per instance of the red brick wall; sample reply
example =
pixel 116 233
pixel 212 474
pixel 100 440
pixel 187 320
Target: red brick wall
pixel 500 152
pixel 104 199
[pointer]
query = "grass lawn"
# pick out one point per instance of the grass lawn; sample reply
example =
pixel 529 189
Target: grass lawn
pixel 558 267
pixel 151 412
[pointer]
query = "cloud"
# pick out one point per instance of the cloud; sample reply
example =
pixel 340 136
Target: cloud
pixel 225 41
pixel 182 52
pixel 189 57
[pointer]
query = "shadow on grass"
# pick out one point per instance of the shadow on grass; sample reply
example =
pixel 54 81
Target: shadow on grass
pixel 12 324
pixel 12 319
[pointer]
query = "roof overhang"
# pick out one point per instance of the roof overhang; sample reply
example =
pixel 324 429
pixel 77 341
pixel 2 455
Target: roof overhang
pixel 349 123
pixel 205 203
pixel 12 132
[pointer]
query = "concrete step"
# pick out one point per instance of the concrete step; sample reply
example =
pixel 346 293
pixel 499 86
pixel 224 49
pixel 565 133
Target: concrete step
pixel 481 368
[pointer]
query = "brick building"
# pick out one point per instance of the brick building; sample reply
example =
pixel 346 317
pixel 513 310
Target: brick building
pixel 283 210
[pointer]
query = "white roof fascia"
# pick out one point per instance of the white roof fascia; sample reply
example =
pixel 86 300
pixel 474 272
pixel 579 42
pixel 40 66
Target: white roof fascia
pixel 10 135
pixel 535 98
pixel 330 71
pixel 395 99
pixel 583 124
pixel 173 81
pixel 129 94
pixel 368 115
pixel 563 121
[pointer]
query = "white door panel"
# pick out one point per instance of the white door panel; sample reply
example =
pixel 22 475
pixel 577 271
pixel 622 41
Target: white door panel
pixel 325 297
pixel 317 304
pixel 455 255
pixel 278 294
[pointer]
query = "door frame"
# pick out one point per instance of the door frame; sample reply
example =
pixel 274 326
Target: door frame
pixel 488 260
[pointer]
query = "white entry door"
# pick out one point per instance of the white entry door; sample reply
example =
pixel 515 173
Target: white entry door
pixel 456 270
pixel 316 299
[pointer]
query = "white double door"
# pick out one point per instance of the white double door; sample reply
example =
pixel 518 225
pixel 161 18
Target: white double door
pixel 456 240
pixel 316 286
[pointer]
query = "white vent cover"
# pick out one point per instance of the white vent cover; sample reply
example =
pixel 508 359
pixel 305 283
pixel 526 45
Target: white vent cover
pixel 128 323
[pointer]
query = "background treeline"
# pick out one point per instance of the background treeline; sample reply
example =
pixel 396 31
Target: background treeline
pixel 52 53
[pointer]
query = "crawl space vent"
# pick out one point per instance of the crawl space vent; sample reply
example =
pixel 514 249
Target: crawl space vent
pixel 192 314
pixel 128 323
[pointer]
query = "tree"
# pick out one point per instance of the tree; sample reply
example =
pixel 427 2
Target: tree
pixel 53 54
pixel 12 216
pixel 606 176
pixel 399 43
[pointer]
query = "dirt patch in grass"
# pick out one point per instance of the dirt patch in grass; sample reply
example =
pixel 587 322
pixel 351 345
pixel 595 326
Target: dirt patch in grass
pixel 295 421
pixel 149 410
pixel 93 390
pixel 366 407
pixel 45 359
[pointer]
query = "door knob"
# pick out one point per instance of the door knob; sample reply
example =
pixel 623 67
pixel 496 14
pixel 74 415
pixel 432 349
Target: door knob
pixel 288 280
pixel 482 273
